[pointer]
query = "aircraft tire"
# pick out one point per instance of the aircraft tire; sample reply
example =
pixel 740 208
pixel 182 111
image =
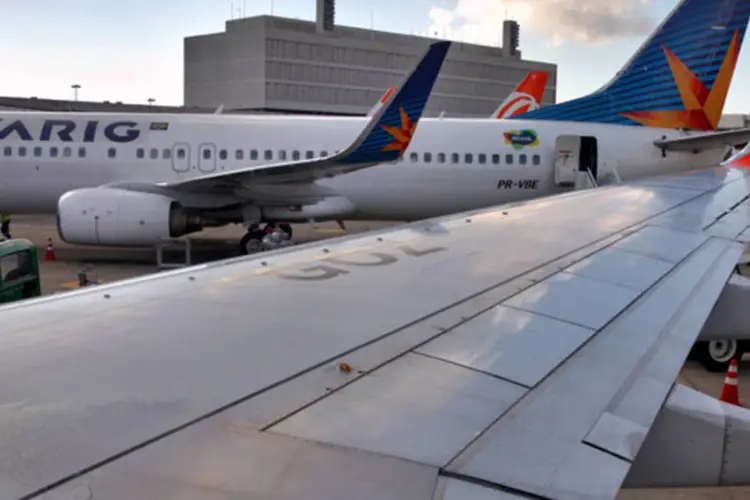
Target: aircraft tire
pixel 287 228
pixel 715 355
pixel 252 242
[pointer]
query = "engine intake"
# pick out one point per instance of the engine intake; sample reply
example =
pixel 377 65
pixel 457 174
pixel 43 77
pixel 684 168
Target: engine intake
pixel 118 217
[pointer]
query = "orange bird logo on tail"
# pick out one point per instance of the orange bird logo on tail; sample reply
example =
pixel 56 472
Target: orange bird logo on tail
pixel 702 107
pixel 402 136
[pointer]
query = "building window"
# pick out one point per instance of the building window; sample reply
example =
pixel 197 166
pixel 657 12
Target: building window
pixel 536 159
pixel 509 159
pixel 140 153
pixel 111 152
pixel 223 154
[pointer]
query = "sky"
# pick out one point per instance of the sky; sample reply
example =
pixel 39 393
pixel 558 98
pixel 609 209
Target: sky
pixel 132 50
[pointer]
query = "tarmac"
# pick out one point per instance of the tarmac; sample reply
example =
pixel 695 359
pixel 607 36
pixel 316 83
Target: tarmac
pixel 106 265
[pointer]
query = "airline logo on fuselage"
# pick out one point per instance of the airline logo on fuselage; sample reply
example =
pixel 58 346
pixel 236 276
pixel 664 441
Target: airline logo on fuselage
pixel 520 139
pixel 69 131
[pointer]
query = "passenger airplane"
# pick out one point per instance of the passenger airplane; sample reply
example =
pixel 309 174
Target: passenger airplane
pixel 133 179
pixel 505 353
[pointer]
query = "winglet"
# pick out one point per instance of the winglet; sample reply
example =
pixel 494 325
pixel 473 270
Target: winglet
pixel 527 96
pixel 391 128
pixel 739 160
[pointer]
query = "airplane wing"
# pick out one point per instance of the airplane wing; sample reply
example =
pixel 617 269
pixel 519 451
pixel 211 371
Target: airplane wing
pixel 385 138
pixel 713 140
pixel 518 351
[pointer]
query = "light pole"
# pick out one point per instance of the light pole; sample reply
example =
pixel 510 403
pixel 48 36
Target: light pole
pixel 75 88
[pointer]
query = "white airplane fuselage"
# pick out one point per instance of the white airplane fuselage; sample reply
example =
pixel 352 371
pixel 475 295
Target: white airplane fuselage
pixel 43 157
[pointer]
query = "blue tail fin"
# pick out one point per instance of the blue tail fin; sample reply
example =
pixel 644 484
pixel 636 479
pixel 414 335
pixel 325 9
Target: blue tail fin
pixel 391 128
pixel 679 78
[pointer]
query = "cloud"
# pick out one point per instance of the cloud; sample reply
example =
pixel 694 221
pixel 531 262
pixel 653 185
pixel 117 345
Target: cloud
pixel 580 21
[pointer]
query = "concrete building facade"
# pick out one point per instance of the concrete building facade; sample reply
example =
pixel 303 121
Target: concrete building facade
pixel 274 64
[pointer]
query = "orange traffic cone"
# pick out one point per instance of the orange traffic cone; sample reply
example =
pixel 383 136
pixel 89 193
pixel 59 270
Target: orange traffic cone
pixel 730 392
pixel 50 255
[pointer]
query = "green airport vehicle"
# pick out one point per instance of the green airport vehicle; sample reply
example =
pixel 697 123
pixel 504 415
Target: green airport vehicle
pixel 19 271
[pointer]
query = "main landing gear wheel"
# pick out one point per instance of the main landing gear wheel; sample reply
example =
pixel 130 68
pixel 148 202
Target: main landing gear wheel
pixel 252 242
pixel 715 355
pixel 287 228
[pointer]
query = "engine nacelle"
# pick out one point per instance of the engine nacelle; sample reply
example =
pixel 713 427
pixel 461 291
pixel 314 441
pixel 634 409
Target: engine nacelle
pixel 118 217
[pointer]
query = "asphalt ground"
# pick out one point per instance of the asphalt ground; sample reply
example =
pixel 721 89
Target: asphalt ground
pixel 106 265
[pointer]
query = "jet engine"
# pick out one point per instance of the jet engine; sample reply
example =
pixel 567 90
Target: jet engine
pixel 118 217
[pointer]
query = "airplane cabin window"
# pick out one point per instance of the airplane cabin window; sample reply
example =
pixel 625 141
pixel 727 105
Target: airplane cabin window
pixel 140 153
pixel 309 154
pixel 53 152
pixel 111 152
pixel 482 158
pixel 181 154
pixel 441 157
pixel 454 157
pixel 468 158
pixel 154 153
pixel 509 159
pixel 414 157
pixel 81 152
pixel 282 154
pixel 428 157
pixel 66 152
pixel 268 155
pixel 8 151
pixel 22 151
pixel 223 154
pixel 536 159
pixel 324 153
pixel 37 151
pixel 295 155
pixel 206 154
pixel 253 154
pixel 496 159
pixel 239 154
pixel 522 159
pixel 166 153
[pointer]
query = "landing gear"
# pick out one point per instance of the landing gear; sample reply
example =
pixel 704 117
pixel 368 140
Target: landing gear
pixel 715 355
pixel 255 239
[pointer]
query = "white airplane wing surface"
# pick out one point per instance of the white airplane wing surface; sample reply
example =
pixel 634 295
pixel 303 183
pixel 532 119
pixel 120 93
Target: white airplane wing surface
pixel 513 352
pixel 711 140
pixel 385 138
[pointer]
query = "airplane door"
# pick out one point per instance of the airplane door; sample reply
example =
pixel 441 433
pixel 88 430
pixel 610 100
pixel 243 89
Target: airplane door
pixel 181 157
pixel 567 154
pixel 588 156
pixel 207 157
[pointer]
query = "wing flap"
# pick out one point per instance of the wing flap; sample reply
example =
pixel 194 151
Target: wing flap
pixel 543 435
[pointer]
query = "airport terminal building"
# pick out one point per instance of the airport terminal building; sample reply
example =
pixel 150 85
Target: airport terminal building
pixel 273 64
